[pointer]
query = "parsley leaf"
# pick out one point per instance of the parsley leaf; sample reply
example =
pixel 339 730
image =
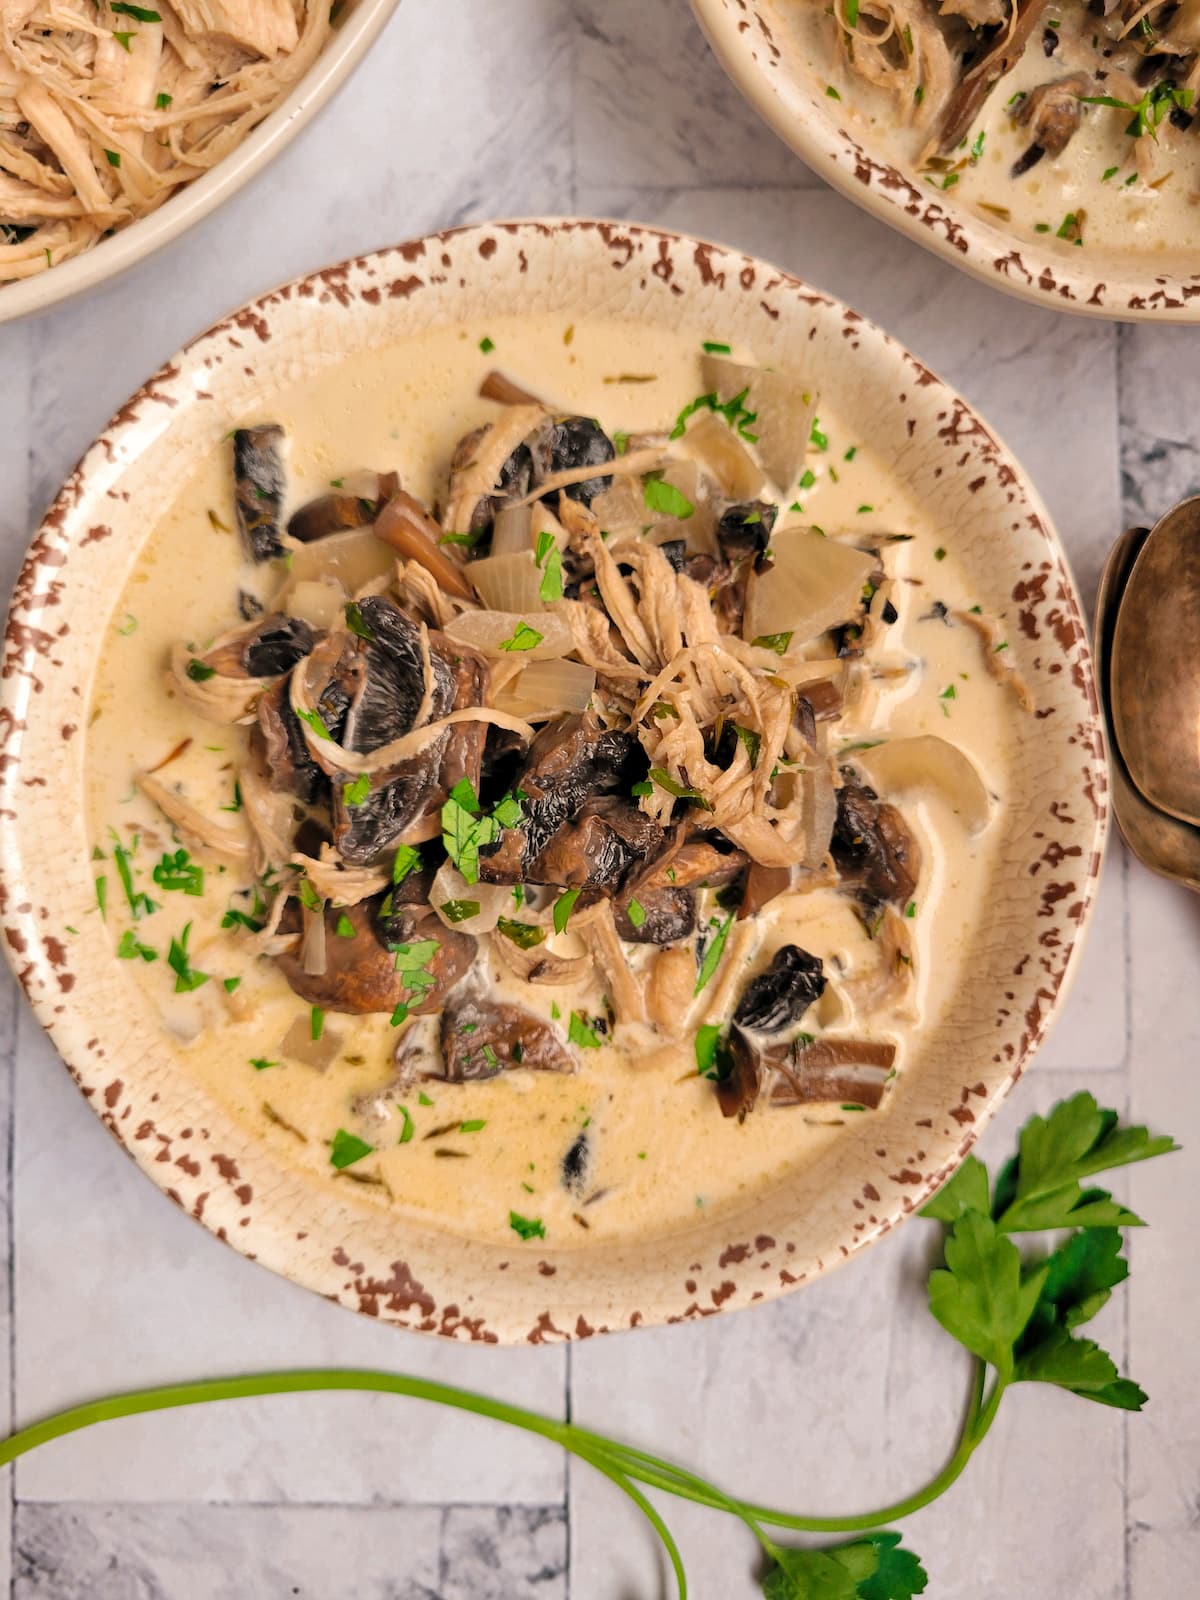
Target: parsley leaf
pixel 523 638
pixel 464 830
pixel 355 793
pixel 563 908
pixel 712 956
pixel 409 1127
pixel 186 978
pixel 580 1032
pixel 347 1148
pixel 178 871
pixel 980 1296
pixel 523 934
pixel 666 498
pixel 460 910
pixel 526 1227
pixel 549 558
pixel 681 791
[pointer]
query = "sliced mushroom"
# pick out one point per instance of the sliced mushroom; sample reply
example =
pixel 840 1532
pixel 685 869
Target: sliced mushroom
pixel 480 1038
pixel 780 996
pixel 871 846
pixel 598 848
pixel 849 1071
pixel 1052 112
pixel 361 975
pixel 744 530
pixel 267 648
pixel 331 514
pixel 259 485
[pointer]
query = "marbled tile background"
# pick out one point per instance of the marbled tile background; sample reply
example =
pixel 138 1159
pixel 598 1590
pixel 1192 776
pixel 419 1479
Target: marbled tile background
pixel 843 1396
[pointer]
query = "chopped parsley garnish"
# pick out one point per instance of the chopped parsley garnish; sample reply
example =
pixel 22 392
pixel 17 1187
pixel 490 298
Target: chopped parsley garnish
pixel 807 479
pixel 816 438
pixel 113 156
pixel 563 908
pixel 832 92
pixel 1109 172
pixel 186 977
pixel 423 1099
pixel 345 928
pixel 234 918
pixel 260 1063
pixel 523 638
pixel 507 813
pixel 347 1148
pixel 408 1128
pixel 309 898
pixel 355 793
pixel 355 621
pixel 620 442
pixel 1159 100
pixel 163 102
pixel 128 625
pixel 487 345
pixel 636 912
pixel 939 554
pixel 125 40
pixel 863 509
pixel 750 741
pixel 734 411
pixel 138 13
pixel 475 1125
pixel 316 1023
pixel 406 858
pixel 640 789
pixel 526 1227
pixel 666 499
pixel 582 1033
pixel 459 910
pixel 712 956
pixel 179 871
pixel 230 984
pixel 131 947
pixel 774 641
pixel 708 1039
pixel 140 904
pixel 464 830
pixel 316 723
pixel 549 557
pixel 977 147
pixel 949 693
pixel 523 934
pixel 681 791
pixel 200 671
pixel 714 347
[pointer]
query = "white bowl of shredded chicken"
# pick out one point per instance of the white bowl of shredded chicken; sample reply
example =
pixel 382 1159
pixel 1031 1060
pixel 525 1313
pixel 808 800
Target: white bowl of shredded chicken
pixel 121 124
pixel 1049 147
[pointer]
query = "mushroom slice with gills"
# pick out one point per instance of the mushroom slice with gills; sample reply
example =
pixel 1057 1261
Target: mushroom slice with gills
pixel 842 1071
pixel 361 974
pixel 1052 113
pixel 744 529
pixel 353 506
pixel 267 648
pixel 491 468
pixel 598 847
pixel 482 1037
pixel 872 847
pixel 404 682
pixel 779 997
pixel 784 408
pixel 925 765
pixel 962 106
pixel 572 759
pixel 664 891
pixel 278 746
pixel 259 485
pixel 406 526
pixel 364 826
pixel 723 454
pixel 812 584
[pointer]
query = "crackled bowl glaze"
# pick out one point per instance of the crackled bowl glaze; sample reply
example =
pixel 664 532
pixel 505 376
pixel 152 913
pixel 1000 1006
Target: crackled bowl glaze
pixel 760 46
pixel 326 1234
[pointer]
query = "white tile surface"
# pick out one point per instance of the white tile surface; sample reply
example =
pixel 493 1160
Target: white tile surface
pixel 836 1398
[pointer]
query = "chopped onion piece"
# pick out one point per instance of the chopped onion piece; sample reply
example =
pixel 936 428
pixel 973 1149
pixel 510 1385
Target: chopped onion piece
pixel 545 688
pixel 298 1043
pixel 489 631
pixel 814 584
pixel 725 456
pixel 621 509
pixel 511 532
pixel 321 601
pixel 926 764
pixel 354 559
pixel 785 408
pixel 509 583
pixel 450 888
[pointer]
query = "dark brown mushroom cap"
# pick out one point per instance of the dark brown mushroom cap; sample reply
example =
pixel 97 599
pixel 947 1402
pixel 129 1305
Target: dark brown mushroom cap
pixel 337 513
pixel 268 649
pixel 871 846
pixel 480 1038
pixel 279 747
pixel 361 975
pixel 599 848
pixel 668 915
pixel 781 995
pixel 258 488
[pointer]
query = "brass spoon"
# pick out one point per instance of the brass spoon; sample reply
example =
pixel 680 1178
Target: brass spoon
pixel 1162 843
pixel 1155 679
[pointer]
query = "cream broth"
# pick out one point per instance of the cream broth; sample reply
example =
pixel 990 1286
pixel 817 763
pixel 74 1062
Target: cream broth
pixel 1092 193
pixel 479 1152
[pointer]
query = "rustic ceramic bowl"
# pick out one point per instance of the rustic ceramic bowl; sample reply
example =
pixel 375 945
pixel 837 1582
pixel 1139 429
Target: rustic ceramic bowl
pixel 759 44
pixel 329 1234
pixel 352 40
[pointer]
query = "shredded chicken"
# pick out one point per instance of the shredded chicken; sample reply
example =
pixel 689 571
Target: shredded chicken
pixel 105 114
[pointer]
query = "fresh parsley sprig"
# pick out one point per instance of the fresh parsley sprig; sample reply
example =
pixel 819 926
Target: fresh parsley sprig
pixel 1016 1315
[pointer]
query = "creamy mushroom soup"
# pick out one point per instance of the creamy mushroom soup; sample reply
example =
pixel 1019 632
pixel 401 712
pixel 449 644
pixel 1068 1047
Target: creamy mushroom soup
pixel 555 809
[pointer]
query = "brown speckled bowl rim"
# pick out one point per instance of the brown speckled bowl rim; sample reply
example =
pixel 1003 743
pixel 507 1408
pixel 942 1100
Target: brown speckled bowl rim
pixel 320 1232
pixel 742 39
